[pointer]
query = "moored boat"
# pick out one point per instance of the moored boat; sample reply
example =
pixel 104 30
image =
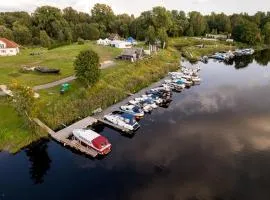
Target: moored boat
pixel 93 140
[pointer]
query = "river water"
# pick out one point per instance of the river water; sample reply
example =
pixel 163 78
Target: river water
pixel 213 142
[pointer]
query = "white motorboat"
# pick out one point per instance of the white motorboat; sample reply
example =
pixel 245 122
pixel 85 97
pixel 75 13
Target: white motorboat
pixel 134 110
pixel 124 120
pixel 93 140
pixel 145 107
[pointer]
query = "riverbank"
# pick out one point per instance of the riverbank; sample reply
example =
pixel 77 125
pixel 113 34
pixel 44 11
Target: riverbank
pixel 115 85
pixel 194 48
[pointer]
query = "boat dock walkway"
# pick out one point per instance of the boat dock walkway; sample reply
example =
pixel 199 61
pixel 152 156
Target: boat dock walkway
pixel 63 135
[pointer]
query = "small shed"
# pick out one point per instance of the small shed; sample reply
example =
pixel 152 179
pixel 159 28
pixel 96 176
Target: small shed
pixel 132 54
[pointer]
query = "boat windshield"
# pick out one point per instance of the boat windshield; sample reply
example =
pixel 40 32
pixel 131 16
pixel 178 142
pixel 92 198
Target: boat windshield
pixel 136 109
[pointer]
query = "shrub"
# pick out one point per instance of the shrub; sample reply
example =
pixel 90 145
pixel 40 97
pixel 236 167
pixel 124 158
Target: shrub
pixel 87 67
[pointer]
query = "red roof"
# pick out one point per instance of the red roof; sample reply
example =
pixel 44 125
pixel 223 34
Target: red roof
pixel 9 44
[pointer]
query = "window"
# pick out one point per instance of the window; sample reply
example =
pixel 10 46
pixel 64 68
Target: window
pixel 3 51
pixel 2 46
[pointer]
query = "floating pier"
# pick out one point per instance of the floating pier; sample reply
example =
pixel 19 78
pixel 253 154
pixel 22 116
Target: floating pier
pixel 63 135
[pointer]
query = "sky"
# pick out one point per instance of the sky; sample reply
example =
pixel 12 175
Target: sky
pixel 137 6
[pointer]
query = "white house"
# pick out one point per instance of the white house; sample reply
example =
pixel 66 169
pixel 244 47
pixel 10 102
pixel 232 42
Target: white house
pixel 121 44
pixel 8 48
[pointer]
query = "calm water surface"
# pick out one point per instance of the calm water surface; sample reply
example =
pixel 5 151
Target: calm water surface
pixel 213 142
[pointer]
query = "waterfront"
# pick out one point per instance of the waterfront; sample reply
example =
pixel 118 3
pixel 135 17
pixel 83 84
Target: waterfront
pixel 212 142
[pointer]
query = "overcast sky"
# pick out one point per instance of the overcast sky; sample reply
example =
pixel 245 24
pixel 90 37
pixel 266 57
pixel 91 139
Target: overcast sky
pixel 137 6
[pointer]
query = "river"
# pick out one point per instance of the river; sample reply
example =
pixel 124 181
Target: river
pixel 212 143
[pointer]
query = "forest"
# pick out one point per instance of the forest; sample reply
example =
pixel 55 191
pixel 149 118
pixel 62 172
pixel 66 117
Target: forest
pixel 48 26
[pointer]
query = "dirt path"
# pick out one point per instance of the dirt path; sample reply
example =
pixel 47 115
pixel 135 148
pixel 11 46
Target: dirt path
pixel 104 65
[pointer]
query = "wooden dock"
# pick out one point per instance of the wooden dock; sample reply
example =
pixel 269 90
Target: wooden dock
pixel 63 135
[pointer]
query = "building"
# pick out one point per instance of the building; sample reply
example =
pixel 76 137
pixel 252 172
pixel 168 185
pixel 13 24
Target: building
pixel 8 48
pixel 121 44
pixel 105 42
pixel 132 54
pixel 218 36
pixel 114 36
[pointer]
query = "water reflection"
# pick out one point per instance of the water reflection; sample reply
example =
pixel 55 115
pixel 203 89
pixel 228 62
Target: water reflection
pixel 263 57
pixel 39 159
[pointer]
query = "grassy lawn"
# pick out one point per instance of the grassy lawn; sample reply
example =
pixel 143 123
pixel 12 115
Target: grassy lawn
pixel 190 50
pixel 13 136
pixel 61 58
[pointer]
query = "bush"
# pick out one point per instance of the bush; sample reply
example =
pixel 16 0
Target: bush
pixel 80 41
pixel 87 67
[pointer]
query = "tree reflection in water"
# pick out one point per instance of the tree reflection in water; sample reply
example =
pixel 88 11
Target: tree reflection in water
pixel 263 57
pixel 39 160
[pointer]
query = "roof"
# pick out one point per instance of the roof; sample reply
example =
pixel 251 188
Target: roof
pixel 88 135
pixel 9 44
pixel 114 36
pixel 132 51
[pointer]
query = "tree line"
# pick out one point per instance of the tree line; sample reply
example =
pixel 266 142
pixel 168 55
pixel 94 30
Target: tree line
pixel 50 25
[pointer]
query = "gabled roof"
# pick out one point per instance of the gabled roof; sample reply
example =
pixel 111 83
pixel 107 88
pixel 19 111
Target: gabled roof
pixel 9 44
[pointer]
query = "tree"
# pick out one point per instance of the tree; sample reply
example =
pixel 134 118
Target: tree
pixel 266 33
pixel 45 40
pixel 87 67
pixel 247 32
pixel 6 33
pixel 103 15
pixel 151 35
pixel 22 34
pixel 24 103
pixel 163 37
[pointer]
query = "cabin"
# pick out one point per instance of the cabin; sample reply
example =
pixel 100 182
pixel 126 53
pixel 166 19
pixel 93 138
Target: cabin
pixel 114 36
pixel 132 54
pixel 8 48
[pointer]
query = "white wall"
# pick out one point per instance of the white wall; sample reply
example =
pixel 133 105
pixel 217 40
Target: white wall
pixel 9 51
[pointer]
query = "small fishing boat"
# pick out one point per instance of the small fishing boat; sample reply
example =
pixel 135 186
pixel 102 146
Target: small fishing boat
pixel 93 140
pixel 47 70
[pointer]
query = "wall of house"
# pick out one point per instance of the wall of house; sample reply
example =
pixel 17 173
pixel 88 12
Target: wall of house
pixel 9 51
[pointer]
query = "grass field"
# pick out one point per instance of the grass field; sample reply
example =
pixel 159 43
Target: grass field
pixel 61 58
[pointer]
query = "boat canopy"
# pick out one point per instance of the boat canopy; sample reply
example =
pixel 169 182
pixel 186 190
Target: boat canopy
pixel 100 142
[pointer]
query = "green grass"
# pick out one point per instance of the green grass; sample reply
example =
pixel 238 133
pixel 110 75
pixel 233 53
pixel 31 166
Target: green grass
pixel 61 58
pixel 13 135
